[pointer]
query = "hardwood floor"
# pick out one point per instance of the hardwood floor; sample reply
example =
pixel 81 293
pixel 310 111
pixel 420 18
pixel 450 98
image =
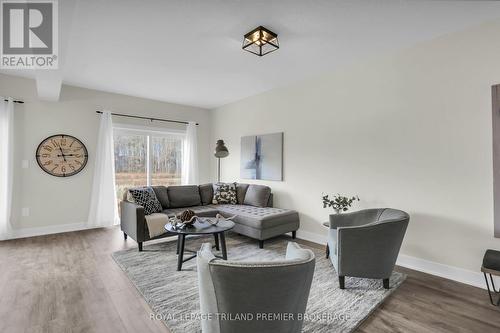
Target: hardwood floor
pixel 69 283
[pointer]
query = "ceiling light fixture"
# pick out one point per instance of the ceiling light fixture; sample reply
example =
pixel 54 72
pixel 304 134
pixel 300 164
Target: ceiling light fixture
pixel 260 41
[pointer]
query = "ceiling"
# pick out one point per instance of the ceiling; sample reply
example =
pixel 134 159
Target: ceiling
pixel 189 51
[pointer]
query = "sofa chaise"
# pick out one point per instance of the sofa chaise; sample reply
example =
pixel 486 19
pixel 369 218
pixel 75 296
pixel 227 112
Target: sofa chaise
pixel 255 215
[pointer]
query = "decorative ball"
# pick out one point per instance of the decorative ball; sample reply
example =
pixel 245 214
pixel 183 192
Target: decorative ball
pixel 186 215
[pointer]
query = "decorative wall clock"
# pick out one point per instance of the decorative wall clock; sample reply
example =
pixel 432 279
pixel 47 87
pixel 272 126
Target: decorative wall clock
pixel 62 155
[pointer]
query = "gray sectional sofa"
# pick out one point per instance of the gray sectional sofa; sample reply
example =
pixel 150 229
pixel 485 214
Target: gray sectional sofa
pixel 255 215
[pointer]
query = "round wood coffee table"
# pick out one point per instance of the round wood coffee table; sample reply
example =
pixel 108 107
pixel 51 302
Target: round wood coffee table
pixel 200 228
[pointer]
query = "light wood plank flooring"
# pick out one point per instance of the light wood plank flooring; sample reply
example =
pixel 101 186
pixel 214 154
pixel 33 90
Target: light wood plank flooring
pixel 69 283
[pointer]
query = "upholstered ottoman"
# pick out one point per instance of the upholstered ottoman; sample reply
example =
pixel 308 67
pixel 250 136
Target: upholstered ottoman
pixel 261 222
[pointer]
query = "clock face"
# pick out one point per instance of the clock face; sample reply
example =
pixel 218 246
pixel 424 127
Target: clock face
pixel 62 155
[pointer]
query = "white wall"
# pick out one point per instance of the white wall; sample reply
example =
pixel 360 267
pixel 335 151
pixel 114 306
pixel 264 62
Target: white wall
pixel 59 202
pixel 410 130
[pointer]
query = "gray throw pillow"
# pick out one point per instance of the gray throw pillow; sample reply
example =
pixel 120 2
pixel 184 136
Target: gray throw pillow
pixel 206 194
pixel 241 190
pixel 146 198
pixel 162 195
pixel 225 193
pixel 257 195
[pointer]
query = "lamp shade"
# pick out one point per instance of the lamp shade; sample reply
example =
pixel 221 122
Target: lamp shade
pixel 221 149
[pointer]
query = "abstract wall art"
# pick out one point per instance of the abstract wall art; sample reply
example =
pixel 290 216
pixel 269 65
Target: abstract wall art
pixel 262 157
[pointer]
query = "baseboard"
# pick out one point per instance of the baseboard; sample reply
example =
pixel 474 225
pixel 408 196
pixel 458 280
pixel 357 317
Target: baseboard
pixel 52 229
pixel 461 275
pixel 312 236
pixel 466 276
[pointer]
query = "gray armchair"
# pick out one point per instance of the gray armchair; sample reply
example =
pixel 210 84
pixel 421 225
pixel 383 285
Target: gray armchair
pixel 366 243
pixel 254 289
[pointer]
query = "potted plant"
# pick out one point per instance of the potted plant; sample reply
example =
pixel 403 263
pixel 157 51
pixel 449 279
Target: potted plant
pixel 339 203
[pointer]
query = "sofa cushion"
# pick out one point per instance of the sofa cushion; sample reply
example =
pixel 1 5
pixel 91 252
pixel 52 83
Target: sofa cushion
pixel 258 217
pixel 257 195
pixel 183 196
pixel 225 193
pixel 241 190
pixel 206 193
pixel 145 197
pixel 204 211
pixel 162 195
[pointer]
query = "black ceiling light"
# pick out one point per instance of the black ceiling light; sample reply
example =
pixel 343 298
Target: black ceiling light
pixel 260 41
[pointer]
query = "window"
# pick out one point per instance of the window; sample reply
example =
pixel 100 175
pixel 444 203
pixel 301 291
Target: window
pixel 144 158
pixel 166 160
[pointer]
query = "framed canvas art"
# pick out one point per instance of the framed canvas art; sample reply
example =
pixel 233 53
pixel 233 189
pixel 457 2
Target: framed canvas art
pixel 262 157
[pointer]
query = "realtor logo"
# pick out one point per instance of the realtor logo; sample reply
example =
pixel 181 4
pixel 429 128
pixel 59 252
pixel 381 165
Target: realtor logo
pixel 29 34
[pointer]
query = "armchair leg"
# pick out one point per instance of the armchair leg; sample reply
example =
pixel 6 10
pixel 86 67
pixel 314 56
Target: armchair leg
pixel 125 236
pixel 386 283
pixel 327 251
pixel 261 244
pixel 294 234
pixel 342 282
pixel 140 246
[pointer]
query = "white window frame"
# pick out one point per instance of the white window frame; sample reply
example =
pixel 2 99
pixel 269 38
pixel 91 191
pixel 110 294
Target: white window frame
pixel 148 132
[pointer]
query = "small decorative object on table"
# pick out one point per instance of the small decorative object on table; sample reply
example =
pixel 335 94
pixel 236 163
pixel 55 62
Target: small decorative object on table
pixel 219 218
pixel 176 223
pixel 183 220
pixel 215 220
pixel 187 217
pixel 339 203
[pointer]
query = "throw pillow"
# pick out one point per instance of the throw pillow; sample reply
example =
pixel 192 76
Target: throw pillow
pixel 162 195
pixel 206 194
pixel 257 195
pixel 146 198
pixel 225 193
pixel 241 190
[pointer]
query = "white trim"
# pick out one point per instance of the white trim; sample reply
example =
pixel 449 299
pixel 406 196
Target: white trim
pixel 461 275
pixel 48 230
pixel 312 236
pixel 466 276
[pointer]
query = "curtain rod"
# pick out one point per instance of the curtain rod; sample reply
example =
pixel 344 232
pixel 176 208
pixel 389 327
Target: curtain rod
pixel 148 118
pixel 15 101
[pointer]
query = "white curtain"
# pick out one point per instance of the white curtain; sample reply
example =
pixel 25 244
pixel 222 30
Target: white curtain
pixel 103 204
pixel 6 164
pixel 190 156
